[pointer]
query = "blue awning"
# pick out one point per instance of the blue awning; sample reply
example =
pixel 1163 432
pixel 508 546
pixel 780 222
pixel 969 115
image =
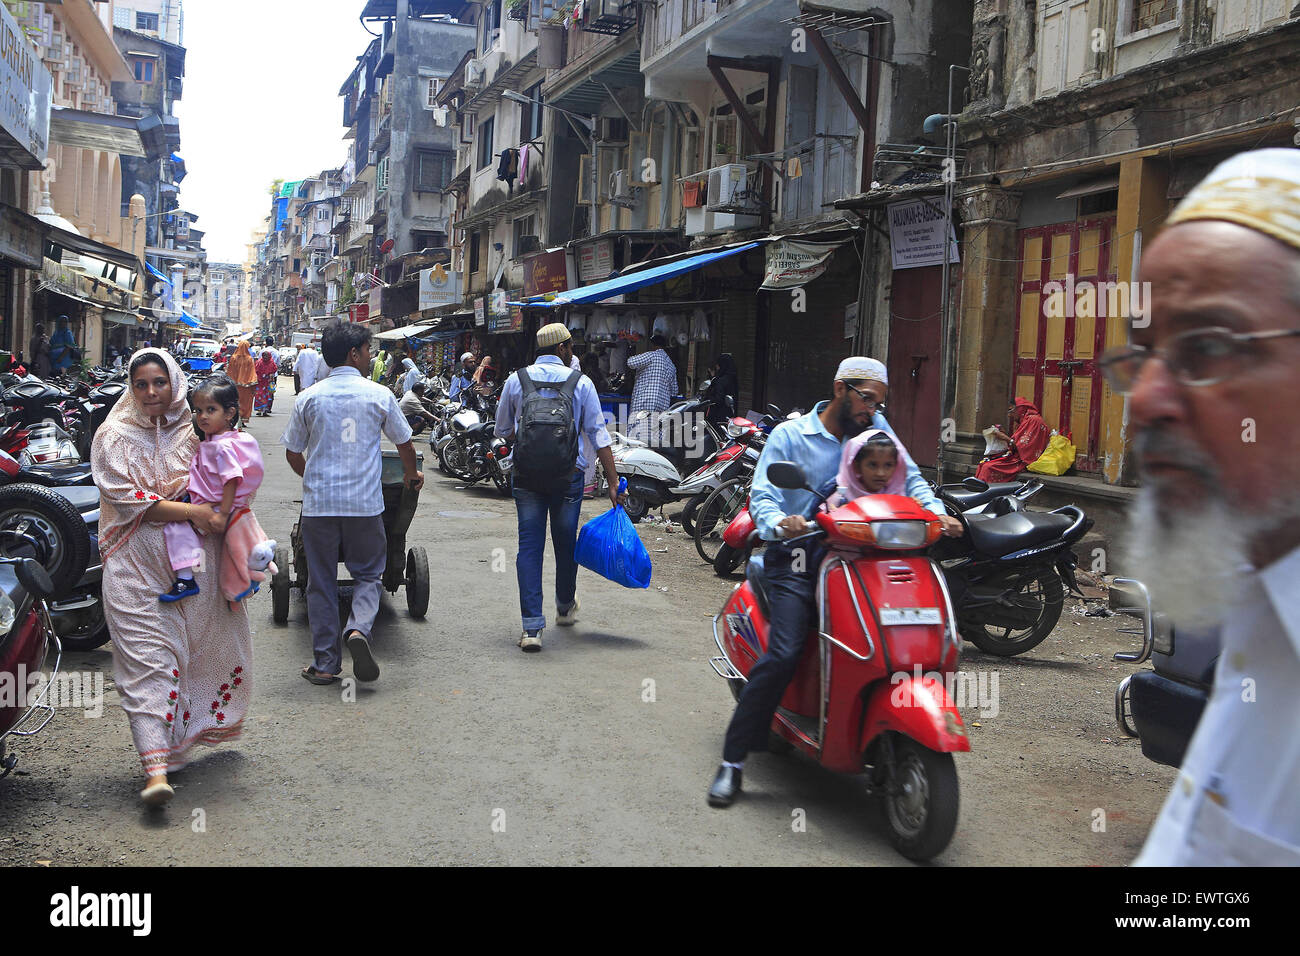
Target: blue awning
pixel 190 320
pixel 156 274
pixel 635 280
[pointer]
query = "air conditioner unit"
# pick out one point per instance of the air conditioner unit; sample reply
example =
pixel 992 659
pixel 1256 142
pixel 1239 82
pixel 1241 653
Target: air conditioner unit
pixel 728 185
pixel 473 74
pixel 612 129
pixel 621 191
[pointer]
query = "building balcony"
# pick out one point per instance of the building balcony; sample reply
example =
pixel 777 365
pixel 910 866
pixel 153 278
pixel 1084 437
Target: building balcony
pixel 592 63
pixel 680 35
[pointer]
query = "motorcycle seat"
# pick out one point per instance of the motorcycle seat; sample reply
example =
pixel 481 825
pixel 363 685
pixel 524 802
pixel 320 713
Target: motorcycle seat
pixel 966 498
pixel 59 475
pixel 1013 532
pixel 481 429
pixel 754 575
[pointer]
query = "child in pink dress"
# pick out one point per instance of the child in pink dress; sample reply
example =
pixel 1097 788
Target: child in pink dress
pixel 225 473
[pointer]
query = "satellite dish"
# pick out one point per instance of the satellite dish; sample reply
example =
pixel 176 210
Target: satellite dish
pixel 387 247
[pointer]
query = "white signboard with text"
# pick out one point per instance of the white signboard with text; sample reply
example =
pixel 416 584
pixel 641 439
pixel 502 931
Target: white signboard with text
pixel 916 233
pixel 27 87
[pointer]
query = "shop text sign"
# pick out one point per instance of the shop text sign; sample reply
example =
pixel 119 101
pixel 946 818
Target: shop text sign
pixel 596 260
pixel 789 264
pixel 25 93
pixel 916 234
pixel 439 286
pixel 547 272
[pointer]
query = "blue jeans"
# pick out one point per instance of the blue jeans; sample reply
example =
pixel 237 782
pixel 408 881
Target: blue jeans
pixel 532 507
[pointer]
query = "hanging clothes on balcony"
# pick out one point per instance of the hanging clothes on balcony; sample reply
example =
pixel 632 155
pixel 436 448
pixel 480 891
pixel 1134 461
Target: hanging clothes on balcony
pixel 692 191
pixel 524 150
pixel 508 168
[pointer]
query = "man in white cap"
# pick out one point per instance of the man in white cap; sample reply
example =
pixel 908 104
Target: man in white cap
pixel 1214 379
pixel 547 477
pixel 813 442
pixel 464 379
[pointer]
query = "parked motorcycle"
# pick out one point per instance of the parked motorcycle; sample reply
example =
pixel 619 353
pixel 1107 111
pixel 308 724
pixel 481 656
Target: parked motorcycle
pixel 1162 706
pixel 472 452
pixel 859 702
pixel 26 637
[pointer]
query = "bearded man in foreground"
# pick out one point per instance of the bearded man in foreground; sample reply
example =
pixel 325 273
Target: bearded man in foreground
pixel 1215 386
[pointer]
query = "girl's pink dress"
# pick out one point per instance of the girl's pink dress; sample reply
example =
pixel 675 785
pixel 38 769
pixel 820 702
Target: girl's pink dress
pixel 220 458
pixel 850 488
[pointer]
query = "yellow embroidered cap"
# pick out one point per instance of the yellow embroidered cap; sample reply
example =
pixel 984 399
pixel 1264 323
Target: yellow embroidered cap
pixel 552 334
pixel 1259 189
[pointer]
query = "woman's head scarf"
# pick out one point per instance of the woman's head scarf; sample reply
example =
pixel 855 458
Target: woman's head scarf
pixel 240 368
pixel 847 479
pixel 137 460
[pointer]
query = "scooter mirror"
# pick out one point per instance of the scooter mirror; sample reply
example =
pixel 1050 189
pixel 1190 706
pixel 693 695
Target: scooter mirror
pixel 787 475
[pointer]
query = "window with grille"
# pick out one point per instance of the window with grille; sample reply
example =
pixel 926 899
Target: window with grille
pixel 146 22
pixel 1152 13
pixel 473 252
pixel 527 226
pixel 433 171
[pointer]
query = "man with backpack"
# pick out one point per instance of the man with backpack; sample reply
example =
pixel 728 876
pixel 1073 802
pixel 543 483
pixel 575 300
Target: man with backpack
pixel 543 410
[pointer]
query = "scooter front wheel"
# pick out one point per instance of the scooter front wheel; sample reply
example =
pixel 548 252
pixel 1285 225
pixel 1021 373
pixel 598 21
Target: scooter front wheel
pixel 920 799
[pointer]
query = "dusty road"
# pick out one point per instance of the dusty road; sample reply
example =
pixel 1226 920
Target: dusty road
pixel 467 751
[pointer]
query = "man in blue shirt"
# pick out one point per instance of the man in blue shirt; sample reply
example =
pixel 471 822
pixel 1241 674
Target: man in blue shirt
pixel 554 355
pixel 464 378
pixel 813 442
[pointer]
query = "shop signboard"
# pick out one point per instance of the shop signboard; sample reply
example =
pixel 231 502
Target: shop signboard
pixel 596 260
pixel 25 91
pixel 916 234
pixel 480 311
pixel 439 286
pixel 545 272
pixel 790 264
pixel 20 241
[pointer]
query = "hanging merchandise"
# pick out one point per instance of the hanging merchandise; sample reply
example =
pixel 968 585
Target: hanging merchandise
pixel 662 326
pixel 634 327
pixel 699 326
pixel 577 320
pixel 793 168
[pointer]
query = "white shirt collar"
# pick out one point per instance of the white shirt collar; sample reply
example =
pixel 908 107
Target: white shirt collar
pixel 1281 582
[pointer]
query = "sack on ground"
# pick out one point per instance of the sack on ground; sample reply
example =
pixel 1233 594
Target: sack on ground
pixel 1057 458
pixel 609 545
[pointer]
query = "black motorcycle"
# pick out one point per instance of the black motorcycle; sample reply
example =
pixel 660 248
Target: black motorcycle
pixel 1007 573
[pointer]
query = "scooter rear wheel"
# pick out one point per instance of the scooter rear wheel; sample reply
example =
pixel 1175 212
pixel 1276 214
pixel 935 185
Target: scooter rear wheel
pixel 920 800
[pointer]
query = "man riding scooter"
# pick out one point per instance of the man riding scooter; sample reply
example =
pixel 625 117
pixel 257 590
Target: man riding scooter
pixel 789 571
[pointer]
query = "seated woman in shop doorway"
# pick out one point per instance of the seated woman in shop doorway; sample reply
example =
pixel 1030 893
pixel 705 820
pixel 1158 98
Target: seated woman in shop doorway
pixel 1028 439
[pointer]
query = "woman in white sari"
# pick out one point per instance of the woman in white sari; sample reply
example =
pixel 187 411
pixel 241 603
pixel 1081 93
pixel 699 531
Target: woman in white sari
pixel 182 669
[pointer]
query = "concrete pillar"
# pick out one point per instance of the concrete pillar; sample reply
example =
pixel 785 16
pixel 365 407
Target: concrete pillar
pixel 1143 206
pixel 986 319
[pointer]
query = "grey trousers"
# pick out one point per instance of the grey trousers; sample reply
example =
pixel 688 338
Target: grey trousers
pixel 363 548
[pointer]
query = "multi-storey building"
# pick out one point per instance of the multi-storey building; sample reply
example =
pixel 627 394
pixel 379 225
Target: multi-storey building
pixel 1087 121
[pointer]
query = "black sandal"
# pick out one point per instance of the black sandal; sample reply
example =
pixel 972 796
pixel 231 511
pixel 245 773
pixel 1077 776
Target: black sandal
pixel 318 677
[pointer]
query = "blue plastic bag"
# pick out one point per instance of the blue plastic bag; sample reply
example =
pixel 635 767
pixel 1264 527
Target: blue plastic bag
pixel 609 545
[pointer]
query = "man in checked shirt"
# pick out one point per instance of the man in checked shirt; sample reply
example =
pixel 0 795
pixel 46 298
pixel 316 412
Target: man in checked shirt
pixel 656 384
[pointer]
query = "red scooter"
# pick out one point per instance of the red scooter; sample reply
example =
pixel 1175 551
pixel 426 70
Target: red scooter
pixel 870 691
pixel 26 634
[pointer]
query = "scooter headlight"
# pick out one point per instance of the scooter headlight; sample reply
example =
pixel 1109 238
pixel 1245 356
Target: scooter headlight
pixel 892 535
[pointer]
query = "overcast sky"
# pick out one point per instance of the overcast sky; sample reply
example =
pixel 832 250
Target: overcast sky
pixel 260 103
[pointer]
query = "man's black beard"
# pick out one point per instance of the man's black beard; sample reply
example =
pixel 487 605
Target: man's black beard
pixel 849 426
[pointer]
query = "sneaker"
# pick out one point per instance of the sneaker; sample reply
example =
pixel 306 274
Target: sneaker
pixel 531 641
pixel 180 590
pixel 567 618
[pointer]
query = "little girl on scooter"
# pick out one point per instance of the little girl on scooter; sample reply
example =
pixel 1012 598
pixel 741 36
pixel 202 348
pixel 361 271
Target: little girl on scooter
pixel 869 465
pixel 225 473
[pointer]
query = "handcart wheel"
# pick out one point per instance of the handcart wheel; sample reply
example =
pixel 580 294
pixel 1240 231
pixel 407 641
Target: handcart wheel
pixel 280 587
pixel 417 582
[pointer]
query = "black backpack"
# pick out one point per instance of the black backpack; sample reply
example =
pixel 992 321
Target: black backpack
pixel 546 437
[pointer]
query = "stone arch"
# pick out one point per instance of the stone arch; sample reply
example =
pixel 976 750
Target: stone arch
pixel 65 163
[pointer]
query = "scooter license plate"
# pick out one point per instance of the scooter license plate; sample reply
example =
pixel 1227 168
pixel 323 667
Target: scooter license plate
pixel 894 616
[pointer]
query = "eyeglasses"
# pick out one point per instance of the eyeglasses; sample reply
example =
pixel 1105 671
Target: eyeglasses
pixel 871 400
pixel 1195 358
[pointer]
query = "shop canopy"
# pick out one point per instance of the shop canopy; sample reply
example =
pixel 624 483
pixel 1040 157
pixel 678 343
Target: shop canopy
pixel 635 280
pixel 405 332
pixel 190 320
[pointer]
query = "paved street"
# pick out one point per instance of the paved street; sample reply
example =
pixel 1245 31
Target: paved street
pixel 596 751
